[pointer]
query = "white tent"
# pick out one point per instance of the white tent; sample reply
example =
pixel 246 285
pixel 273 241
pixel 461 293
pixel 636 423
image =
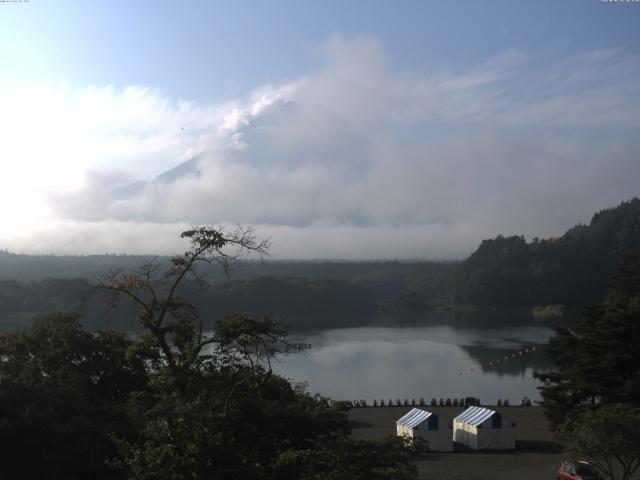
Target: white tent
pixel 419 423
pixel 481 428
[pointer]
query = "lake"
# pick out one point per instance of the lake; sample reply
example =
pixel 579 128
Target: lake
pixel 420 361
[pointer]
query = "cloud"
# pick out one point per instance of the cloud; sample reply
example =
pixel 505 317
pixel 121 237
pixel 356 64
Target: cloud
pixel 353 160
pixel 316 241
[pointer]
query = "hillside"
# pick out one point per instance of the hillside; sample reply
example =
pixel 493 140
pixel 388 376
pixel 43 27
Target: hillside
pixel 569 270
pixel 311 294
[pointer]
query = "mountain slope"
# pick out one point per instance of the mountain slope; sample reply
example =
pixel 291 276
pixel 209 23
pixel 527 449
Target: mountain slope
pixel 571 270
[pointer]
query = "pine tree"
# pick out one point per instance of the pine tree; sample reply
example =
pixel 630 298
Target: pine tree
pixel 598 362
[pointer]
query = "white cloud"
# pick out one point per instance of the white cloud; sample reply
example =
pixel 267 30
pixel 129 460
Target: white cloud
pixel 353 160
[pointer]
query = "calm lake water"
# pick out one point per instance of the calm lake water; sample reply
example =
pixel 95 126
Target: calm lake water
pixel 420 361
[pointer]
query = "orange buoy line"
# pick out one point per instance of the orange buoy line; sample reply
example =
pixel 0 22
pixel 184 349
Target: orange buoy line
pixel 520 352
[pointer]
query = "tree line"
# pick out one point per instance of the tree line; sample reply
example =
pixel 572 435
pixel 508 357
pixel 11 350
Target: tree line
pixel 297 302
pixel 592 394
pixel 173 401
pixel 570 270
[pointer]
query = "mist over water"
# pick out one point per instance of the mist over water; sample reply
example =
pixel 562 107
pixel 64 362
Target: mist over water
pixel 420 362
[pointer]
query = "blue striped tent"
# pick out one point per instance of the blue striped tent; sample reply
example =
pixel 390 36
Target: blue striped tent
pixel 427 425
pixel 481 428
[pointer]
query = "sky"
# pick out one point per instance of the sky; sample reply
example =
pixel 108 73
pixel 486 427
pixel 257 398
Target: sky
pixel 339 129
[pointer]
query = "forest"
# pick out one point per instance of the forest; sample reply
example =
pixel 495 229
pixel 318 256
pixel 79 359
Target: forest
pixel 571 269
pixel 188 398
pixel 174 401
pixel 508 272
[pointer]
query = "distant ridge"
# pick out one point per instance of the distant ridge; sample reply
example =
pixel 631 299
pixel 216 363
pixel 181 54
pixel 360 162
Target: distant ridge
pixel 571 269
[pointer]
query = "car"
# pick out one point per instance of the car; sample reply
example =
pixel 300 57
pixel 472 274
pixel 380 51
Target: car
pixel 578 471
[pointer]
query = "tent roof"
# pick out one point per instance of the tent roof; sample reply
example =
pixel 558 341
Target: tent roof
pixel 475 415
pixel 414 418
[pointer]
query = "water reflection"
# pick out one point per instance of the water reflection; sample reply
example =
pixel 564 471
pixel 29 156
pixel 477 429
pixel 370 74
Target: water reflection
pixel 420 362
pixel 510 362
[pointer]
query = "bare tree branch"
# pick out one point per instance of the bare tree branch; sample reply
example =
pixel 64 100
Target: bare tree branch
pixel 172 321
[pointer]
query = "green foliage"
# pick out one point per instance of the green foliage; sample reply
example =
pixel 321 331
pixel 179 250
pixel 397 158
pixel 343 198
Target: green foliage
pixel 21 303
pixel 407 302
pixel 63 392
pixel 173 402
pixel 300 302
pixel 608 437
pixel 570 270
pixel 592 397
pixel 598 362
pixel 232 421
pixel 389 458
